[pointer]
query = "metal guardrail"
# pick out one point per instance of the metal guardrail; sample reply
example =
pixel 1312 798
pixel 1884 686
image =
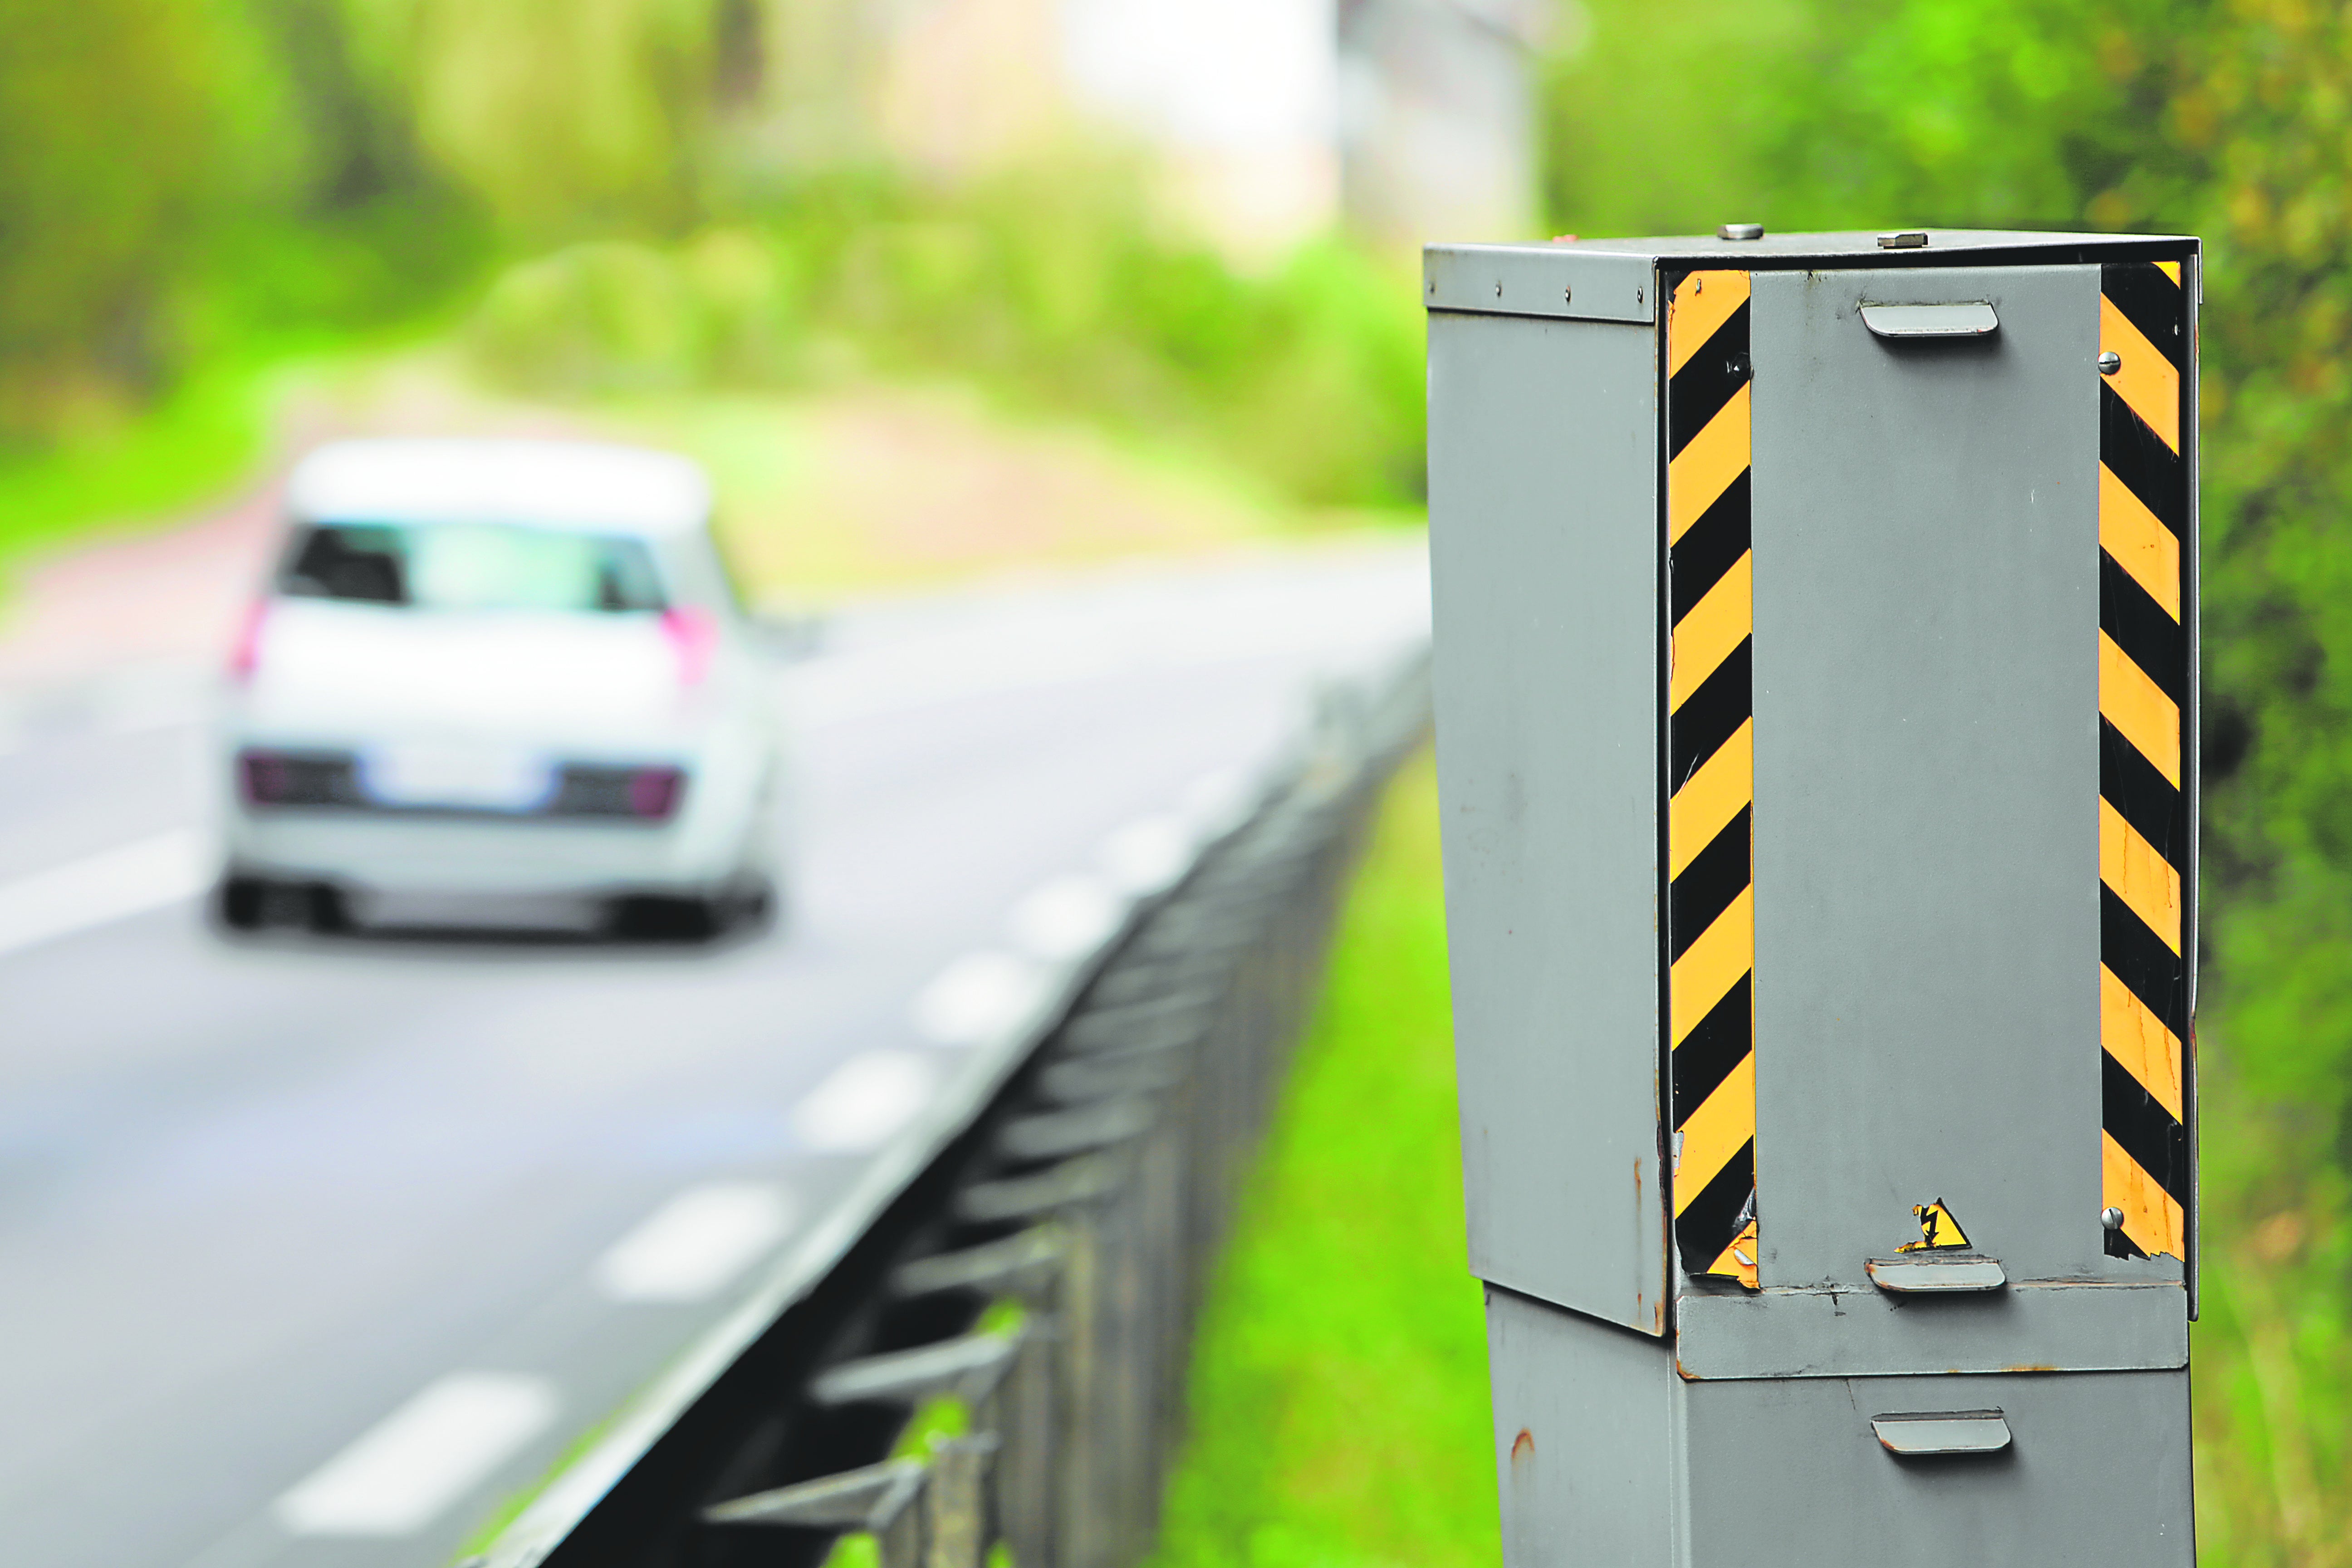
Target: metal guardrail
pixel 994 1363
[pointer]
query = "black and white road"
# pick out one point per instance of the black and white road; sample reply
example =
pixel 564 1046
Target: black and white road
pixel 318 1249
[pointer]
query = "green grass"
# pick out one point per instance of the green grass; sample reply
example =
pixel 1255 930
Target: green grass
pixel 1338 1404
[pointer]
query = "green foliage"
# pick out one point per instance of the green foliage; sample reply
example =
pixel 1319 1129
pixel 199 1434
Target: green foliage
pixel 1657 119
pixel 564 117
pixel 608 315
pixel 1058 288
pixel 2265 110
pixel 191 193
pixel 2009 113
pixel 1846 113
pixel 107 127
pixel 1338 1407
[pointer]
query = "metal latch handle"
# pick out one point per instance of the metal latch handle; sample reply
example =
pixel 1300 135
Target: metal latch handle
pixel 1973 320
pixel 1927 1274
pixel 1927 1434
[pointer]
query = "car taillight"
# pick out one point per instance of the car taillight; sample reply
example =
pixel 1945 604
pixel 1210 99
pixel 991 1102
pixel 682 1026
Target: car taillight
pixel 245 653
pixel 693 637
pixel 654 791
pixel 265 777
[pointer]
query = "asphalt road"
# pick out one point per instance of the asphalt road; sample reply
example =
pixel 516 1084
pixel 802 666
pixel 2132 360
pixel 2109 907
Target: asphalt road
pixel 317 1250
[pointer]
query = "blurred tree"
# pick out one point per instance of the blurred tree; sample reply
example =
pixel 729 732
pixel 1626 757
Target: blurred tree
pixel 356 138
pixel 566 117
pixel 1657 119
pixel 1999 113
pixel 2271 110
pixel 109 124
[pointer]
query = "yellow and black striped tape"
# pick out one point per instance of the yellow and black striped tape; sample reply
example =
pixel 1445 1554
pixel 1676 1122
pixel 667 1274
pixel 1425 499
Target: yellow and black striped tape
pixel 2143 829
pixel 1710 785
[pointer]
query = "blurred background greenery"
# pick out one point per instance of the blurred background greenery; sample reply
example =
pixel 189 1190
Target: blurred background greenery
pixel 581 201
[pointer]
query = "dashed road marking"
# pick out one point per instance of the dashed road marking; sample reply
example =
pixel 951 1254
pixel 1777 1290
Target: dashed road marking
pixel 112 885
pixel 1067 918
pixel 1148 855
pixel 865 1101
pixel 1220 800
pixel 694 1244
pixel 404 1473
pixel 977 998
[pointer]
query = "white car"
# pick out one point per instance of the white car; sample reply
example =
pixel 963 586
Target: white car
pixel 499 671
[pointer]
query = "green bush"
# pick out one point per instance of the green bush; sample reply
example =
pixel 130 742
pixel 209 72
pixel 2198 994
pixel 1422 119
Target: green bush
pixel 605 315
pixel 1058 290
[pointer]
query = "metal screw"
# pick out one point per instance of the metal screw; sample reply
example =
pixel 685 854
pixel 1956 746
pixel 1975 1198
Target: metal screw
pixel 1740 231
pixel 2110 362
pixel 1637 296
pixel 1498 288
pixel 2111 1218
pixel 1567 293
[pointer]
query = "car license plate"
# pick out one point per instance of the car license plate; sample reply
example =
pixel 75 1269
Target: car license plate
pixel 473 778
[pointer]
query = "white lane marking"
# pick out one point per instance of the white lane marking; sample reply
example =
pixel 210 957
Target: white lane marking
pixel 399 1477
pixel 128 880
pixel 977 998
pixel 1147 853
pixel 694 1245
pixel 864 1102
pixel 1218 802
pixel 1067 918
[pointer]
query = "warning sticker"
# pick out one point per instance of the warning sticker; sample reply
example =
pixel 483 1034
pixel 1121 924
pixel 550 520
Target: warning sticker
pixel 1938 1229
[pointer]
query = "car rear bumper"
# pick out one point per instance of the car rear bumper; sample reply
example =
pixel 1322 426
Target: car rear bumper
pixel 418 853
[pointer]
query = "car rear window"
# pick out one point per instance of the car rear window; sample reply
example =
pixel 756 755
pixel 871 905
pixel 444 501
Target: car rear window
pixel 471 566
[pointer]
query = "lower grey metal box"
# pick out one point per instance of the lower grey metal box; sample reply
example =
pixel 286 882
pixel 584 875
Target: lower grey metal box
pixel 1607 1456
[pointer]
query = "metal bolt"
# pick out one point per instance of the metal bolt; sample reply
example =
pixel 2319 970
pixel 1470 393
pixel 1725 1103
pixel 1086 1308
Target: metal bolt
pixel 2110 362
pixel 1740 231
pixel 2111 1218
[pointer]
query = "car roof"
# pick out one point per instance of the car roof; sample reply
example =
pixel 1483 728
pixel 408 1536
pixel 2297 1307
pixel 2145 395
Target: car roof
pixel 546 484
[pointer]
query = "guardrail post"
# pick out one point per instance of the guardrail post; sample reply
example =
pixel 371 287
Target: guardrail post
pixel 956 1511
